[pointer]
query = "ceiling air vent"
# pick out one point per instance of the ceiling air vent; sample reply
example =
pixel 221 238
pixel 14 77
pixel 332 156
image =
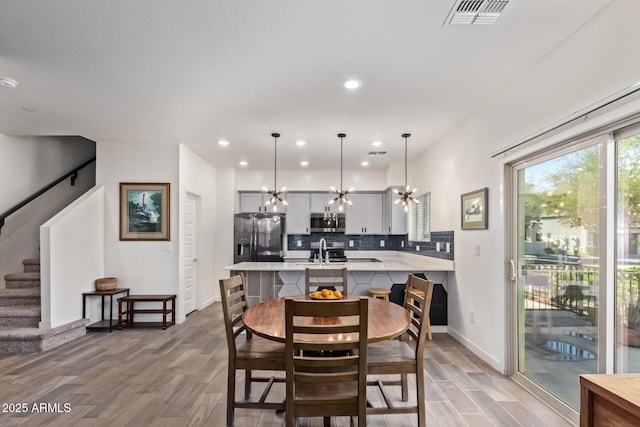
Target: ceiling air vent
pixel 377 153
pixel 475 12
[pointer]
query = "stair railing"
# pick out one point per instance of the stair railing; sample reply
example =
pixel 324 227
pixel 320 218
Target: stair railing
pixel 73 174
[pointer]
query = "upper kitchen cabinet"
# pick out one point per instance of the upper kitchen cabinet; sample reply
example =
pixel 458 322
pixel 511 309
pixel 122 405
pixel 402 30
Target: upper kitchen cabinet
pixel 254 201
pixel 364 216
pixel 320 203
pixel 298 213
pixel 393 215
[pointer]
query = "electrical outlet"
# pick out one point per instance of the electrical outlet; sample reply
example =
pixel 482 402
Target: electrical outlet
pixel 417 248
pixel 472 316
pixel 437 246
pixel 476 250
pixel 382 243
pixel 166 247
pixel 298 243
pixel 350 243
pixel 448 247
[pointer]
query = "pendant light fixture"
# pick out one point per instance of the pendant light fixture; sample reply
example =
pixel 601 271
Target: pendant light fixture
pixel 341 196
pixel 274 195
pixel 406 196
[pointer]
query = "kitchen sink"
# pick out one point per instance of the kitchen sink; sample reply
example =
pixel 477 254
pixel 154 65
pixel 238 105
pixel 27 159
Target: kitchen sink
pixel 331 264
pixel 363 260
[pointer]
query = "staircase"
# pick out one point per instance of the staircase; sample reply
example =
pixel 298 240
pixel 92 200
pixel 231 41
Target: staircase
pixel 20 315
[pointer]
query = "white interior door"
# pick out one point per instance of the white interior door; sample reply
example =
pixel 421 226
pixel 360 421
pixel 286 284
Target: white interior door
pixel 190 251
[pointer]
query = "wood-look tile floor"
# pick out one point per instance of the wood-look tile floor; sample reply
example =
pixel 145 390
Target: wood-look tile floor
pixel 177 377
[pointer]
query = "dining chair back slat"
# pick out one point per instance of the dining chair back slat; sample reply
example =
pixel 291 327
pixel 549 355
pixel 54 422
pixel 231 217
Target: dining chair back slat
pixel 326 378
pixel 246 352
pixel 319 278
pixel 404 357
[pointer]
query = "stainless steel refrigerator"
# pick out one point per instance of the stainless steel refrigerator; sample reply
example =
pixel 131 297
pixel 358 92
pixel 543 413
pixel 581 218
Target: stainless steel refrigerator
pixel 258 237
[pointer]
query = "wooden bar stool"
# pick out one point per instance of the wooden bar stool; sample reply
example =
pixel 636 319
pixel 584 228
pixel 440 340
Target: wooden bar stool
pixel 380 293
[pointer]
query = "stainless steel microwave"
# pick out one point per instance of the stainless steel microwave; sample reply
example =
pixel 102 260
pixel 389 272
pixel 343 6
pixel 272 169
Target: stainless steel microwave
pixel 328 222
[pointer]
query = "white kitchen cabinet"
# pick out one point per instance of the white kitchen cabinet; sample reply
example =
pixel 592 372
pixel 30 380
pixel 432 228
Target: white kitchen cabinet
pixel 298 213
pixel 254 201
pixel 320 203
pixel 364 216
pixel 394 217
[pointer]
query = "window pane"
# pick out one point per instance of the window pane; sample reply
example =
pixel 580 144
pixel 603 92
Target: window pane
pixel 420 219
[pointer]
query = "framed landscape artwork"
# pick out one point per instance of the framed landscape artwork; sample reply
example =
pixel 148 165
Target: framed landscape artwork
pixel 474 209
pixel 144 211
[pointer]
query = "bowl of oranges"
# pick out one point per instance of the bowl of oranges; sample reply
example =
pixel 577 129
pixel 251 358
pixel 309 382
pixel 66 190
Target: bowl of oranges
pixel 325 294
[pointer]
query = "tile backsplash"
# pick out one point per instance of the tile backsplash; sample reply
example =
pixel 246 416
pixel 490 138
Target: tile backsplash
pixel 372 242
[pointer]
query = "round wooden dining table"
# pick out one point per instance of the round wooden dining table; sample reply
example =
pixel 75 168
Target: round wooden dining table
pixel 386 319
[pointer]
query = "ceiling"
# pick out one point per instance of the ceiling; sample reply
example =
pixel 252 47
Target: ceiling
pixel 200 71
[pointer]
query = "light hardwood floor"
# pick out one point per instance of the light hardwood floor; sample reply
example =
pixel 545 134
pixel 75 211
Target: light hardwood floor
pixel 177 377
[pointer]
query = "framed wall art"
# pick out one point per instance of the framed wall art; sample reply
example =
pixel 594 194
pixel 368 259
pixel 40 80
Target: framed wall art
pixel 144 211
pixel 475 210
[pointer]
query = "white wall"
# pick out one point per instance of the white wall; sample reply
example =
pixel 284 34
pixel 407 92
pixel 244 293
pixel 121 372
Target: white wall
pixel 225 185
pixel 199 178
pixel 581 71
pixel 72 258
pixel 28 164
pixel 142 266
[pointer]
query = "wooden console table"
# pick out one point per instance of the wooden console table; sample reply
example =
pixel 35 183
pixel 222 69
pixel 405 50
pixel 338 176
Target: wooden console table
pixel 126 306
pixel 609 400
pixel 103 324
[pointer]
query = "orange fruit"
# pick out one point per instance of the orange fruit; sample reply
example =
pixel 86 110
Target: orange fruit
pixel 337 294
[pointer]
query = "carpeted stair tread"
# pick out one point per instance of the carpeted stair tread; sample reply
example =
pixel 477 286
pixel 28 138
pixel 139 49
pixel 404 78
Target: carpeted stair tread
pixel 31 265
pixel 20 311
pixel 30 276
pixel 29 333
pixel 20 292
pixel 21 333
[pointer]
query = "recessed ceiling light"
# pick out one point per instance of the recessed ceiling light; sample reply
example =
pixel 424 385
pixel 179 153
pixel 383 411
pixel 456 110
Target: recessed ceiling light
pixel 376 143
pixel 223 142
pixel 304 163
pixel 300 143
pixel 243 163
pixel 7 82
pixel 352 84
pixel 365 163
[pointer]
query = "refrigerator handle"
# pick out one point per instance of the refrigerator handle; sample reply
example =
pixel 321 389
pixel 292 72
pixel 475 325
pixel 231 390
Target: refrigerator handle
pixel 254 242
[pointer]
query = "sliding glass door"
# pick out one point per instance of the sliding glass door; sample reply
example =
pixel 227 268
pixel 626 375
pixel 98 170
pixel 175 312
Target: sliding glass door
pixel 558 284
pixel 575 250
pixel 627 265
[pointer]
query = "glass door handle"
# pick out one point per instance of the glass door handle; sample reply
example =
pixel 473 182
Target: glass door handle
pixel 514 275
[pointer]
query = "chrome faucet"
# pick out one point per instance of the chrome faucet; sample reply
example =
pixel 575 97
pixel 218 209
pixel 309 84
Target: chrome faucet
pixel 322 246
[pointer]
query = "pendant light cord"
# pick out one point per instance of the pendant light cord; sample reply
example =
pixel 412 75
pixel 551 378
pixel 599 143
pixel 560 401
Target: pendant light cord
pixel 341 164
pixel 405 162
pixel 275 136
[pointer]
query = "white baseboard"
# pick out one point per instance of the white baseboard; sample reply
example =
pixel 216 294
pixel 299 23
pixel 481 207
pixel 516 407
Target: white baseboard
pixel 486 357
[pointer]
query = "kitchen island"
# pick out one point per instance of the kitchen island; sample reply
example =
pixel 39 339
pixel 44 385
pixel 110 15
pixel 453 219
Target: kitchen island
pixel 268 280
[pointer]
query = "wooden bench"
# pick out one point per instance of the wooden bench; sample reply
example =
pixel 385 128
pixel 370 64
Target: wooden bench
pixel 126 306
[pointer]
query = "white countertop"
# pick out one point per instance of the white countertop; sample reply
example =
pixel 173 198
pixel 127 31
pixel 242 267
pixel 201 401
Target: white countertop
pixel 395 263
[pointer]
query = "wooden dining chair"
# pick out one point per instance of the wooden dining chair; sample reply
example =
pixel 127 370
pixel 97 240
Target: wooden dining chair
pixel 319 278
pixel 402 356
pixel 247 352
pixel 326 373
